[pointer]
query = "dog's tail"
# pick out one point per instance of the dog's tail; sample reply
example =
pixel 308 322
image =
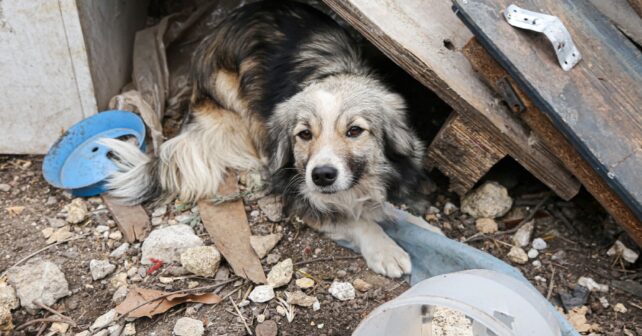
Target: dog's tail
pixel 190 166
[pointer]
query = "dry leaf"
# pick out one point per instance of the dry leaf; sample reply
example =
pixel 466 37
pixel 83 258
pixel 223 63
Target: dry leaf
pixel 15 210
pixel 577 318
pixel 138 296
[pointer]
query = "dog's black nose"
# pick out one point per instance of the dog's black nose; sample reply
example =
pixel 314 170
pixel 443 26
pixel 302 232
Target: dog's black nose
pixel 324 176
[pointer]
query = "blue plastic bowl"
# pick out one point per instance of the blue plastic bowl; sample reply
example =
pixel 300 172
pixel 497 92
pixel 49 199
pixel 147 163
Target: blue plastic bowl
pixel 76 161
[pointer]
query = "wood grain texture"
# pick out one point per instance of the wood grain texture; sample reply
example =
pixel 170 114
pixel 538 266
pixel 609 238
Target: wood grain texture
pixel 491 72
pixel 133 221
pixel 596 105
pixel 463 153
pixel 227 224
pixel 424 37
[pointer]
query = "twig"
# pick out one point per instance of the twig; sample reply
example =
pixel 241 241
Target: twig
pixel 35 253
pixel 46 319
pixel 304 262
pixel 635 305
pixel 241 316
pixel 55 312
pixel 551 284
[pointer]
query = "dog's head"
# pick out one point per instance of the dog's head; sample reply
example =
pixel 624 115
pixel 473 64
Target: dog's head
pixel 344 136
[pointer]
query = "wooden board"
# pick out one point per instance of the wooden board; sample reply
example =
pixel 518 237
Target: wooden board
pixel 492 73
pixel 230 231
pixel 424 37
pixel 596 105
pixel 133 222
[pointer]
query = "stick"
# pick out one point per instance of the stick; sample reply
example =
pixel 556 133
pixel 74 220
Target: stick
pixel 47 319
pixel 33 254
pixel 241 316
pixel 304 262
pixel 551 284
pixel 55 312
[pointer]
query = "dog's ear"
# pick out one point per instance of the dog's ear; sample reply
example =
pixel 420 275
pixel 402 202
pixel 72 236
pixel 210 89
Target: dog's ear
pixel 280 146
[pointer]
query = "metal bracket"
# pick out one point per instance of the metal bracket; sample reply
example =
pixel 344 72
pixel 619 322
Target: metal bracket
pixel 552 27
pixel 510 97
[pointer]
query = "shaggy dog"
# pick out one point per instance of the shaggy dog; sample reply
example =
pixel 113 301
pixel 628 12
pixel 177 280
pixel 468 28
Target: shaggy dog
pixel 279 85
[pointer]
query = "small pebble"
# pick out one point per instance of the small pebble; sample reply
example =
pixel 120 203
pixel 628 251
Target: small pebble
pixel 342 290
pixel 537 263
pixel 486 225
pixel 304 283
pixel 100 268
pixel 260 294
pixel 533 253
pixel 517 255
pixel 620 308
pixel 187 326
pixel 539 244
pixel 361 285
pixel 5 187
pixel 604 302
pixel 341 273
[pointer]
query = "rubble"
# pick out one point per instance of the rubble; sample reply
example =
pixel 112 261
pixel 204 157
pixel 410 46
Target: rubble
pixel 100 268
pixel 486 225
pixel 533 253
pixel 59 235
pixel 280 274
pixel 201 260
pixel 168 243
pixel 262 245
pixel 76 211
pixel 342 290
pixel 56 222
pixel 620 308
pixel 186 326
pixel 627 254
pixel 523 235
pixel 272 258
pixel 539 244
pixel 103 320
pixel 120 294
pixel 592 285
pixel 490 200
pixel 38 280
pixel 361 285
pixel 262 293
pixel 272 207
pixel 119 251
pixel 304 283
pixel 517 255
pixel 300 299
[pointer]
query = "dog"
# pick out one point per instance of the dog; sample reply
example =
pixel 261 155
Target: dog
pixel 281 86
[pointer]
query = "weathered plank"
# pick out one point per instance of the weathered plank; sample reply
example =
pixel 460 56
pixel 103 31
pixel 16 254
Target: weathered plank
pixel 492 73
pixel 424 37
pixel 227 224
pixel 463 153
pixel 596 105
pixel 133 222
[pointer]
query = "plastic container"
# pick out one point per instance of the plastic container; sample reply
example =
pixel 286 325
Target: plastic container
pixel 496 304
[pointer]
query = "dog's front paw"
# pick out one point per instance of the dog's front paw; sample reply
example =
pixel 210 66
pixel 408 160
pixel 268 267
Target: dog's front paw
pixel 387 258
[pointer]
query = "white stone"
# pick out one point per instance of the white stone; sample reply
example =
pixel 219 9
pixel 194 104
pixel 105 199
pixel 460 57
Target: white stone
pixel 83 333
pixel 533 253
pixel 592 285
pixel 304 283
pixel 489 200
pixel 120 294
pixel 184 218
pixel 450 208
pixel 523 235
pixel 260 294
pixel 118 280
pixel 101 228
pixel 100 268
pixel 115 330
pixel 627 254
pixel 281 273
pixel 300 299
pixel 272 207
pixel 76 211
pixel 160 211
pixel 103 320
pixel 262 245
pixel 201 260
pixel 486 225
pixel 260 318
pixel 129 330
pixel 56 222
pixel 342 290
pixel 168 243
pixel 272 258
pixel 38 280
pixel 316 306
pixel 5 187
pixel 620 308
pixel 120 250
pixel 517 255
pixel 187 326
pixel 539 244
pixel 537 263
pixel 604 302
pixel 116 235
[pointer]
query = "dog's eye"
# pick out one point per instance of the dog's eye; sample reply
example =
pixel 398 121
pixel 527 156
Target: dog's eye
pixel 305 135
pixel 354 131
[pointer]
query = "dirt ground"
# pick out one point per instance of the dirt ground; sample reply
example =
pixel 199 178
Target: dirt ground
pixel 580 229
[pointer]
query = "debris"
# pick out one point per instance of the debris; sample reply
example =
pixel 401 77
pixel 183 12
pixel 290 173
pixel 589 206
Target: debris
pixel 450 208
pixel 577 299
pixel 165 280
pixel 300 299
pixel 59 235
pixel 533 253
pixel 186 326
pixel 577 318
pixel 120 250
pixel 84 333
pixel 260 294
pixel 304 283
pixel 539 244
pixel 260 318
pixel 116 235
pixel 604 302
pixel 341 274
pixel 5 187
pixel 15 210
pixel 103 320
pixel 168 243
pixel 100 268
pixel 262 245
pixel 537 263
pixel 486 225
pixel 115 330
pixel 361 285
pixel 267 328
pixel 280 274
pixel 160 211
pixel 592 285
pixel 56 222
pixel 272 207
pixel 132 221
pixel 286 309
pixel 120 294
pixel 273 258
pixel 316 306
pixel 619 249
pixel 229 229
pixel 58 328
pixel 8 301
pixel 450 322
pixel 38 280
pixel 559 256
pixel 342 290
pixel 76 211
pixel 201 260
pixel 149 302
pixel 631 287
pixel 157 264
pixel 620 308
pixel 517 255
pixel 490 200
pixel 522 237
pixel 47 232
pixel 101 229
pixel 118 280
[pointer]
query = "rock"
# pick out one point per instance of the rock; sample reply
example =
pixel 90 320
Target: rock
pixel 490 200
pixel 272 206
pixel 58 328
pixel 486 225
pixel 604 302
pixel 8 298
pixel 47 232
pixel 539 244
pixel 201 260
pixel 56 222
pixel 60 235
pixel 341 274
pixel 342 290
pixel 304 283
pixel 260 318
pixel 120 250
pixel 118 280
pixel 517 255
pixel 537 263
pixel 577 299
pixel 165 280
pixel 450 209
pixel 38 280
pixel 120 294
pixel 160 211
pixel 533 253
pixel 129 330
pixel 316 306
pixel 620 308
pixel 300 299
pixel 272 258
pixel 5 187
pixel 168 243
pixel 116 235
pixel 592 285
pixel 281 273
pixel 103 320
pixel 156 221
pixel 83 333
pixel 76 211
pixel 100 268
pixel 262 245
pixel 115 330
pixel 522 237
pixel 101 229
pixel 361 285
pixel 186 326
pixel 559 256
pixel 627 254
pixel 104 332
pixel 260 294
pixel 267 328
